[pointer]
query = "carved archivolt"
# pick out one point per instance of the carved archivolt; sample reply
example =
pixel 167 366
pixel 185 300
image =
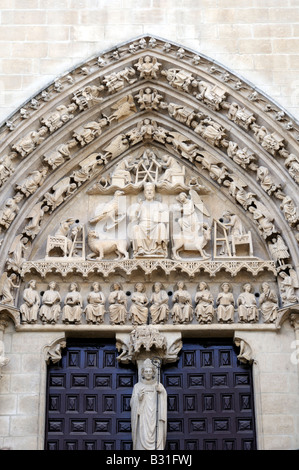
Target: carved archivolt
pixel 149 117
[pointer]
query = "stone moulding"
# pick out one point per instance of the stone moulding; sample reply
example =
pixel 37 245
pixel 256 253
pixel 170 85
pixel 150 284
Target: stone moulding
pixel 193 330
pixel 64 268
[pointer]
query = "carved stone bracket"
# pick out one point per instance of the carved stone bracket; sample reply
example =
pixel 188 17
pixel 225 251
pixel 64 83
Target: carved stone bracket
pixel 147 341
pixel 245 354
pixel 53 351
pixel 291 312
pixel 7 311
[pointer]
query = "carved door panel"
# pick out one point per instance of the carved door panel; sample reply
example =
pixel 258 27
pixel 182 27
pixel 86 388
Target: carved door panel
pixel 210 399
pixel 88 399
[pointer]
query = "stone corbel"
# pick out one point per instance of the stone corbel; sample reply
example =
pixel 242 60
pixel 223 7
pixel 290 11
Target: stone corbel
pixel 146 341
pixel 245 355
pixel 53 351
pixel 291 312
pixel 11 312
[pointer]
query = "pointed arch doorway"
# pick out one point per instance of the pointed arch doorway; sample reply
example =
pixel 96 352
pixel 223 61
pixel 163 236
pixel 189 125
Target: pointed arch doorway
pixel 209 404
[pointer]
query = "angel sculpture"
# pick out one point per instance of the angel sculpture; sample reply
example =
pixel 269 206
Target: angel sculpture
pixel 148 99
pixel 16 253
pixel 117 146
pixel 61 190
pixel 110 212
pixel 7 284
pixel 123 108
pixel 87 167
pixel 263 217
pixel 178 142
pixel 117 80
pixel 210 163
pixel 237 191
pixel 148 67
pixel 90 131
pixel 279 250
pixel 35 217
pixel 287 287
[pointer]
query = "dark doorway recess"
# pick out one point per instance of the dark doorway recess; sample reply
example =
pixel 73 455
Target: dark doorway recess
pixel 88 399
pixel 210 398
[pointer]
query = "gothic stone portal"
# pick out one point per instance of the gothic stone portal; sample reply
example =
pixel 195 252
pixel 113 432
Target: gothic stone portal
pixel 151 186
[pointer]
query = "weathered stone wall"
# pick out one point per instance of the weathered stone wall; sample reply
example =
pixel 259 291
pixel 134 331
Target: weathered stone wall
pixel 275 377
pixel 41 39
pixel 23 388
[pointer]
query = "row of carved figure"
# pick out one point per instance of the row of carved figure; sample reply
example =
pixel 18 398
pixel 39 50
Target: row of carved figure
pixel 156 307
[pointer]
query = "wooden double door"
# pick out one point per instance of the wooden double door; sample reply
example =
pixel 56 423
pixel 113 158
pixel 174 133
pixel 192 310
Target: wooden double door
pixel 209 393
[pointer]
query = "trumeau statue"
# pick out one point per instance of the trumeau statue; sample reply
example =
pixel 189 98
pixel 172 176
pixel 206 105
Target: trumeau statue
pixel 149 410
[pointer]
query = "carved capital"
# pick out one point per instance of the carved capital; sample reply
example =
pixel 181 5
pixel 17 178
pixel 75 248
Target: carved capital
pixel 146 341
